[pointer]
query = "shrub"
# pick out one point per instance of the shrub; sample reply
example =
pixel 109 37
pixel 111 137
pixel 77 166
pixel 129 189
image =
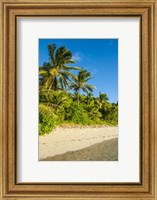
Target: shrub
pixel 112 115
pixel 47 119
pixel 78 115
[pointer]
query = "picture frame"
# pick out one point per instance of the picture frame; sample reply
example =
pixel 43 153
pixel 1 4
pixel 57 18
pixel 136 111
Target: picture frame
pixel 10 11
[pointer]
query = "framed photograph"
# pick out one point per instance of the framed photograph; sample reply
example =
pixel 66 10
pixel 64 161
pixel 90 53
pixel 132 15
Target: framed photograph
pixel 78 99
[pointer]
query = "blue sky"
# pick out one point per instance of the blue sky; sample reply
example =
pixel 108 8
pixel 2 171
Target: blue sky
pixel 99 56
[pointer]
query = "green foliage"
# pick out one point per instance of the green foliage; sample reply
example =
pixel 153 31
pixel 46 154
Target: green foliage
pixel 112 114
pixel 77 114
pixel 80 83
pixel 47 119
pixel 56 73
pixel 57 106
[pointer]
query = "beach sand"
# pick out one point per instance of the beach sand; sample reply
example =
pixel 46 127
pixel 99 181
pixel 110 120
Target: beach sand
pixel 103 151
pixel 80 143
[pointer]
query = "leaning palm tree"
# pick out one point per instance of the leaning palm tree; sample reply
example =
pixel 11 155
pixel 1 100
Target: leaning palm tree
pixel 80 83
pixel 56 73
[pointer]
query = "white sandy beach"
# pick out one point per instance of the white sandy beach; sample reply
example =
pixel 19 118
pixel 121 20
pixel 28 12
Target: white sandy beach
pixel 63 140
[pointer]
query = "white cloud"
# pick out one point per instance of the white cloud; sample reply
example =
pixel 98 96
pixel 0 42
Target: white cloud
pixel 77 56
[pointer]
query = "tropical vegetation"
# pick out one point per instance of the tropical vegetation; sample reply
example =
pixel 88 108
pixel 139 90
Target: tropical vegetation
pixel 66 97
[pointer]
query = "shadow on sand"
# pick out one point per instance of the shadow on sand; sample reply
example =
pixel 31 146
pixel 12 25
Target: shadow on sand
pixel 104 151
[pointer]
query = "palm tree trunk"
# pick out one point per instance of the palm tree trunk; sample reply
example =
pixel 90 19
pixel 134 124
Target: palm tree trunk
pixel 50 85
pixel 78 100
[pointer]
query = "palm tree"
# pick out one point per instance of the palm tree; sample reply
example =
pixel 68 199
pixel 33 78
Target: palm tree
pixel 80 83
pixel 103 97
pixel 56 73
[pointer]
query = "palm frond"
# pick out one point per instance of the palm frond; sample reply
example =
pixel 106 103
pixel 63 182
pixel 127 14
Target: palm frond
pixel 48 82
pixel 71 68
pixel 52 48
pixel 43 72
pixel 85 90
pixel 71 75
pixel 89 87
pixel 53 72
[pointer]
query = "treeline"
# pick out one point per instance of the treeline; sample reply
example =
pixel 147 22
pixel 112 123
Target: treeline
pixel 60 101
